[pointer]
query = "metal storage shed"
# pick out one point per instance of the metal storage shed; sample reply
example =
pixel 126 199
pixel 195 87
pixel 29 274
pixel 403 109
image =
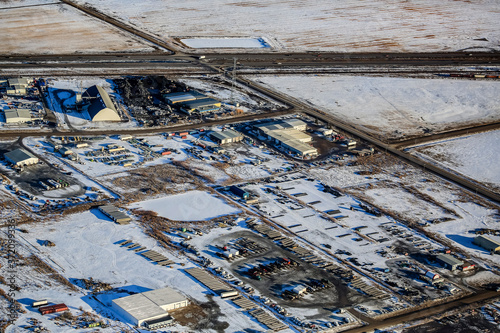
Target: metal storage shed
pixel 449 262
pixel 487 243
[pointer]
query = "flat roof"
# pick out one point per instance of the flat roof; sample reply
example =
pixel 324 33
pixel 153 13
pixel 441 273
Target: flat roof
pixel 450 260
pixel 17 113
pixel 164 296
pixel 140 307
pixel 227 134
pixel 19 155
pixel 149 304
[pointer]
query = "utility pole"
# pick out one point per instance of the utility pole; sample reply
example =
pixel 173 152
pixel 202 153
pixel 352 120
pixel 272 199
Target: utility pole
pixel 233 82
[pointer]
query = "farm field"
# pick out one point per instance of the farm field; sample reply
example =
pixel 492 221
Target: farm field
pixel 475 156
pixel 56 28
pixel 341 26
pixel 393 106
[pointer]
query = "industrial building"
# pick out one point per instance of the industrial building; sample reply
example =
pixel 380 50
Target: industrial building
pixel 21 157
pixel 17 115
pixel 182 97
pixel 116 215
pixel 239 192
pixel 287 134
pixel 100 107
pixel 226 136
pixel 150 308
pixel 487 243
pixel 449 261
pixel 17 86
pixel 201 105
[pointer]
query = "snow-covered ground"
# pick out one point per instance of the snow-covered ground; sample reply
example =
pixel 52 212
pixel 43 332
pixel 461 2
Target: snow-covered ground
pixel 475 156
pixel 373 25
pixel 86 246
pixel 56 28
pixel 395 106
pixel 189 206
pixel 62 98
pixel 225 43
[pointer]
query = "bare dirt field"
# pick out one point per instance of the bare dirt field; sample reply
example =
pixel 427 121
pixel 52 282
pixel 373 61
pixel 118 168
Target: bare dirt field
pixel 52 28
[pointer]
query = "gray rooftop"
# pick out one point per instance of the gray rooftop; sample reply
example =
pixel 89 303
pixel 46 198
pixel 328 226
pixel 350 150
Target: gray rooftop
pixel 19 155
pixel 15 113
pixel 450 260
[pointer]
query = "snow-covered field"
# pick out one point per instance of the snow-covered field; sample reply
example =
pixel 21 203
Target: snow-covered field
pixel 86 246
pixel 225 43
pixel 396 107
pixel 475 156
pixel 189 206
pixel 56 28
pixel 373 25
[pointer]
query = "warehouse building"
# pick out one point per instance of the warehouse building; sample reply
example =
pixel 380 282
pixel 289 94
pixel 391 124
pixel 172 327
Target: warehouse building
pixel 203 105
pixel 17 86
pixel 449 261
pixel 116 215
pixel 226 136
pixel 149 308
pixel 17 115
pixel 100 107
pixel 21 157
pixel 239 192
pixel 182 97
pixel 287 135
pixel 487 243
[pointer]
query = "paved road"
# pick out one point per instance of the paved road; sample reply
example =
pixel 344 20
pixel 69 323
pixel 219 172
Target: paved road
pixel 426 313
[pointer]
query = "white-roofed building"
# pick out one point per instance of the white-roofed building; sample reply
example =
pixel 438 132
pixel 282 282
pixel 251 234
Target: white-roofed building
pixel 17 115
pixel 149 307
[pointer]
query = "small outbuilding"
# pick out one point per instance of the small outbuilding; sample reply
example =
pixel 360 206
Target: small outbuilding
pixel 299 289
pixel 21 157
pixel 487 243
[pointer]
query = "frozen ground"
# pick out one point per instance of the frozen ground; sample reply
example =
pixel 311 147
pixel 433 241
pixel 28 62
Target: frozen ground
pixel 104 260
pixel 189 206
pixel 475 156
pixel 62 98
pixel 397 107
pixel 56 28
pixel 231 43
pixel 373 25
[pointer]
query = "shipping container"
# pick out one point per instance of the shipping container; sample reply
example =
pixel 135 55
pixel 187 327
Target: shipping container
pixel 167 152
pixel 184 137
pixel 183 133
pixel 36 304
pixel 53 308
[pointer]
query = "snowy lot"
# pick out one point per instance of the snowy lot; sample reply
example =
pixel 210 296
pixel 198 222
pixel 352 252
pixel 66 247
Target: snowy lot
pixel 56 28
pixel 104 260
pixel 370 26
pixel 239 43
pixel 62 97
pixel 475 156
pixel 189 206
pixel 397 107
